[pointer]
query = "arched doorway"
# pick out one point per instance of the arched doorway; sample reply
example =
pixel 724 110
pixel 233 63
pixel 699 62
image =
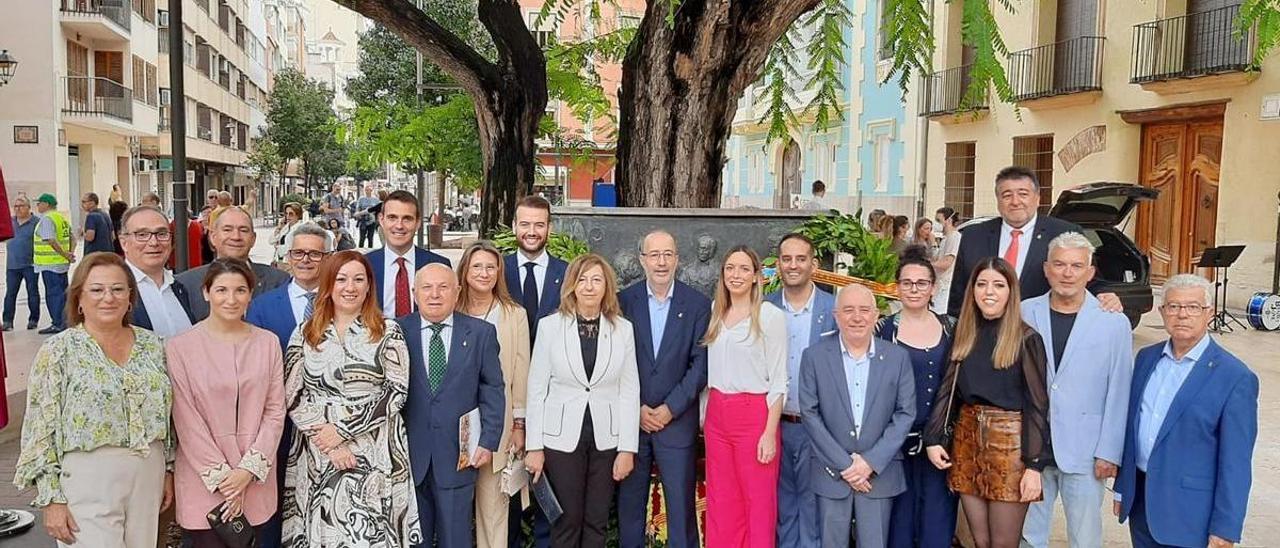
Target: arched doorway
pixel 788 177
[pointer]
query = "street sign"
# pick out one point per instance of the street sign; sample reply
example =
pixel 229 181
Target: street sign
pixel 164 164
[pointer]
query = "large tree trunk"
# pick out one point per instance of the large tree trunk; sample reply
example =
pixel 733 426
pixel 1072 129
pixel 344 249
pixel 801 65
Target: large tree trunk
pixel 680 89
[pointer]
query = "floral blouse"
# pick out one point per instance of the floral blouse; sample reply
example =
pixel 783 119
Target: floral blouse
pixel 80 400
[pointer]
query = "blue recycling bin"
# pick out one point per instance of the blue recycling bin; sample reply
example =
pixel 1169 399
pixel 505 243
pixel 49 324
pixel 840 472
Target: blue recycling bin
pixel 604 194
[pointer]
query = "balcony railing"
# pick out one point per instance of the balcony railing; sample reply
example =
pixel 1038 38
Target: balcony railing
pixel 116 11
pixel 1196 44
pixel 944 92
pixel 1069 66
pixel 90 96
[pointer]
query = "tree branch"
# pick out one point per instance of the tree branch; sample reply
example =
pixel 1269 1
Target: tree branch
pixel 518 51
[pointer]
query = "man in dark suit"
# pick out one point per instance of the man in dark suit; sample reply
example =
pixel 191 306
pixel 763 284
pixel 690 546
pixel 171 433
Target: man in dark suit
pixel 163 306
pixel 453 369
pixel 1187 461
pixel 858 396
pixel 669 319
pixel 1018 235
pixel 395 263
pixel 534 278
pixel 232 235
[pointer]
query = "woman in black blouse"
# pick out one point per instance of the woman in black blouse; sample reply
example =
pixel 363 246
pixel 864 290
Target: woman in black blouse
pixel 992 410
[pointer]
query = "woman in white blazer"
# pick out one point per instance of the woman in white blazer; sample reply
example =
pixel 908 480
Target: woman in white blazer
pixel 584 402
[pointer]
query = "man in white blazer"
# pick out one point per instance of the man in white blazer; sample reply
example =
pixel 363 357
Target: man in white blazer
pixel 1090 355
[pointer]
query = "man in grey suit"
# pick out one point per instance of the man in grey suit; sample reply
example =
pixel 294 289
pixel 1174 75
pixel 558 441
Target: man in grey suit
pixel 1090 355
pixel 858 399
pixel 232 235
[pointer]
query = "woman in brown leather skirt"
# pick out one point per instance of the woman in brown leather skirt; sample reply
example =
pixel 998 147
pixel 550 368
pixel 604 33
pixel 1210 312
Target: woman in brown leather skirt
pixel 990 425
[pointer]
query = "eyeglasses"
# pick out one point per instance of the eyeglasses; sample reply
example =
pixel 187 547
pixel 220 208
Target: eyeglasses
pixel 99 292
pixel 142 236
pixel 915 285
pixel 661 255
pixel 1192 310
pixel 301 254
pixel 481 267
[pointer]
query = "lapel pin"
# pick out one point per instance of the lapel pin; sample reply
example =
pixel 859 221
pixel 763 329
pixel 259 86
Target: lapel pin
pixel 464 343
pixel 679 314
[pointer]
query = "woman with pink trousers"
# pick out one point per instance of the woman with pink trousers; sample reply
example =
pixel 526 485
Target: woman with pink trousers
pixel 228 410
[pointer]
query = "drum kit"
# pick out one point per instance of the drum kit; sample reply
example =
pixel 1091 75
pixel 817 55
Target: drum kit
pixel 1263 311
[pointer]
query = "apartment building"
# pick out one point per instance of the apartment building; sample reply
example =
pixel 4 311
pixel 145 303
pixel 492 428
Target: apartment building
pixel 72 120
pixel 333 52
pixel 1156 93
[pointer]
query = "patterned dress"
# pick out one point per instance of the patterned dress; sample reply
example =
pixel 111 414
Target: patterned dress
pixel 359 386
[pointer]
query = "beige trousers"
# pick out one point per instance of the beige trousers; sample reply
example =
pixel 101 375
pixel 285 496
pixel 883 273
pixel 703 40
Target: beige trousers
pixel 114 495
pixel 492 509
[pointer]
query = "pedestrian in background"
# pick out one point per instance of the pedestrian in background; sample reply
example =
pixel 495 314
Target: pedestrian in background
pixel 18 265
pixel 97 232
pixel 945 261
pixel 366 218
pixel 280 236
pixel 54 250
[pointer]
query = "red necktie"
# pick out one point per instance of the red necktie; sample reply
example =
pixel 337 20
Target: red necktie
pixel 402 290
pixel 1011 254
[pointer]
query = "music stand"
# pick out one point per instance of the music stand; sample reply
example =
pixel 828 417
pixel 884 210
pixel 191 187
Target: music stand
pixel 1221 257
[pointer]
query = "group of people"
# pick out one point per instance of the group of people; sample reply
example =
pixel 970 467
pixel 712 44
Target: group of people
pixel 323 406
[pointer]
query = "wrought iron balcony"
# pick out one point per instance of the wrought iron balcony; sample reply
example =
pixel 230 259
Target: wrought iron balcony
pixel 116 11
pixel 1196 44
pixel 1069 66
pixel 90 96
pixel 944 92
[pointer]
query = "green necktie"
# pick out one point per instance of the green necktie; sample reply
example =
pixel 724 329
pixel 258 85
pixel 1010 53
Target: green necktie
pixel 435 357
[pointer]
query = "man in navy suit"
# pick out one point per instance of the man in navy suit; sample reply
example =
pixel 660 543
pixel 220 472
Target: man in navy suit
pixel 395 263
pixel 1193 421
pixel 669 319
pixel 453 369
pixel 163 305
pixel 281 311
pixel 809 315
pixel 1018 235
pixel 231 235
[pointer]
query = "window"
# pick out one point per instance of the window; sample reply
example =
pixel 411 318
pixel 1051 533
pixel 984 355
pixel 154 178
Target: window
pixel 957 187
pixel 883 150
pixel 544 33
pixel 883 49
pixel 1036 153
pixel 152 98
pixel 629 21
pixel 139 79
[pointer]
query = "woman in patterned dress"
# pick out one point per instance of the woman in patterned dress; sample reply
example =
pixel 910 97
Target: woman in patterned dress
pixel 346 378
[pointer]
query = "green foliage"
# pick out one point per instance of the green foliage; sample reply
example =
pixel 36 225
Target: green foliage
pixel 387 69
pixel 779 72
pixel 834 233
pixel 1263 15
pixel 293 198
pixel 265 158
pixel 978 28
pixel 559 244
pixel 826 60
pixel 440 138
pixel 300 121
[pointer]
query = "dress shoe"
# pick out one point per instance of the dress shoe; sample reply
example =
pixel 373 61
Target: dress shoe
pixel 31 325
pixel 51 330
pixel 8 326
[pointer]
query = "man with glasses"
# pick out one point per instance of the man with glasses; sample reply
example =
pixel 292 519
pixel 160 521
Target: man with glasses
pixel 163 306
pixel 1090 355
pixel 809 315
pixel 231 235
pixel 669 320
pixel 18 265
pixel 1192 426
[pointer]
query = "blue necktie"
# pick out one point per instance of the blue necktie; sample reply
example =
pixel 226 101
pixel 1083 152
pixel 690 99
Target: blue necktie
pixel 311 306
pixel 530 298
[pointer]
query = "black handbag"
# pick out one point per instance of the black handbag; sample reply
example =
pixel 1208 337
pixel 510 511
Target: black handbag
pixel 236 533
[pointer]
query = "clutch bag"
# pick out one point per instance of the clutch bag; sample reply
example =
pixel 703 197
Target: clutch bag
pixel 235 533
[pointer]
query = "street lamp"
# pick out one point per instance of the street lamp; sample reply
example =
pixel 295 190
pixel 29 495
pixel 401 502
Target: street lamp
pixel 7 67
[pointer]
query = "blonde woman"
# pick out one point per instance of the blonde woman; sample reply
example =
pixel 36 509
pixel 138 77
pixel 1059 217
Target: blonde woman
pixel 484 295
pixel 747 382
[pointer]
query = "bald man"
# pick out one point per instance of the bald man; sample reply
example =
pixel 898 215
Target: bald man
pixel 453 369
pixel 231 235
pixel 857 397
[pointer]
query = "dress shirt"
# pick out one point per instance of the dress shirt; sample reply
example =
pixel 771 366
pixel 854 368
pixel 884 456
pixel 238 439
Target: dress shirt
pixel 167 316
pixel 1024 241
pixel 540 264
pixel 389 271
pixel 1162 387
pixel 446 334
pixel 799 326
pixel 857 369
pixel 298 301
pixel 658 310
pixel 740 363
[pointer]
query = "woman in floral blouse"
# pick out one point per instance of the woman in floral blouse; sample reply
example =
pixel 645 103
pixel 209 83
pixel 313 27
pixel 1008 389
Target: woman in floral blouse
pixel 95 441
pixel 228 409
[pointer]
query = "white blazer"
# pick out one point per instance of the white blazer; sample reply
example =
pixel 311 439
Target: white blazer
pixel 560 394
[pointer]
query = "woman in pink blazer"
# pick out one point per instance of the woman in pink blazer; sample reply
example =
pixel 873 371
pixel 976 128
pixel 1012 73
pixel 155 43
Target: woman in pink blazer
pixel 228 409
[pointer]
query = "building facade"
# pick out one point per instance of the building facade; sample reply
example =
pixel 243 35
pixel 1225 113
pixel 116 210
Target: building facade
pixel 333 53
pixel 1154 93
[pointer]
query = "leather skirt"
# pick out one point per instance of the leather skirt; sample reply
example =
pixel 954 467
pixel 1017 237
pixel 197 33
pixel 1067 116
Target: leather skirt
pixel 986 454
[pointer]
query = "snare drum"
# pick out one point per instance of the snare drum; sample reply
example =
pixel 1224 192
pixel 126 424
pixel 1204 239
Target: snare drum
pixel 1264 311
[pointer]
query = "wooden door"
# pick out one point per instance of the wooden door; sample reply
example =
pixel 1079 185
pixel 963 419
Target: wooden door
pixel 1183 161
pixel 1204 164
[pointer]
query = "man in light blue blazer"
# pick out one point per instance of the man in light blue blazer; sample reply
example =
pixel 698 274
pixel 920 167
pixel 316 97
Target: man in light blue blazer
pixel 1193 423
pixel 396 262
pixel 453 369
pixel 809 315
pixel 858 396
pixel 1090 355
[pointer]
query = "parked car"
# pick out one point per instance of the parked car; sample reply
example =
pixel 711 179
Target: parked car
pixel 1101 209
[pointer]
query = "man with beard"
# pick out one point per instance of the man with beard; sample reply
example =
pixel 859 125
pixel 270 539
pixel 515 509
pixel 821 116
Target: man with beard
pixel 395 264
pixel 232 235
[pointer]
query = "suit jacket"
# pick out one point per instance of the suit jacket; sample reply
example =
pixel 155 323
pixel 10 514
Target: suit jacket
pixel 1199 472
pixel 193 280
pixel 983 240
pixel 142 318
pixel 824 320
pixel 473 378
pixel 678 373
pixel 1088 386
pixel 560 394
pixel 421 258
pixel 274 312
pixel 827 411
pixel 549 300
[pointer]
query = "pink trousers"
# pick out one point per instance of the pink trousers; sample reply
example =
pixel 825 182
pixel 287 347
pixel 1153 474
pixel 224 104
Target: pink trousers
pixel 742 494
